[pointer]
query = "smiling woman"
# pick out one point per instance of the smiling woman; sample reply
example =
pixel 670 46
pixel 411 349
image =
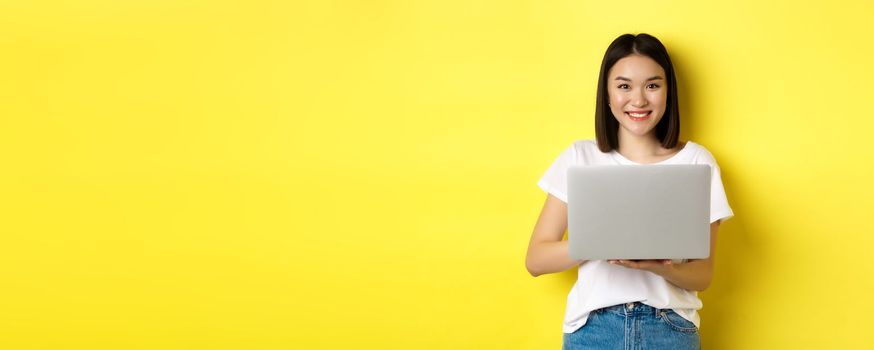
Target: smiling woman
pixel 645 303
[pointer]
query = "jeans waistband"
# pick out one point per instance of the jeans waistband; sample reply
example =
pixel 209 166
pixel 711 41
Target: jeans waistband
pixel 632 309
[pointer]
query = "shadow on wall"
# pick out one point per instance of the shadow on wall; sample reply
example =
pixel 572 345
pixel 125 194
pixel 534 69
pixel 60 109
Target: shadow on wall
pixel 735 279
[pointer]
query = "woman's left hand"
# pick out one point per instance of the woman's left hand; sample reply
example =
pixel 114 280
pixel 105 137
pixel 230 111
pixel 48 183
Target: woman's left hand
pixel 659 267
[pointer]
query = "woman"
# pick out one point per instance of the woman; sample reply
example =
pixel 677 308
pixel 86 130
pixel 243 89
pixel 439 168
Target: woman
pixel 649 304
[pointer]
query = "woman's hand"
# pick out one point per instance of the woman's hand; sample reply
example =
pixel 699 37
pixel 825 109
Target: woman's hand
pixel 659 267
pixel 694 274
pixel 547 252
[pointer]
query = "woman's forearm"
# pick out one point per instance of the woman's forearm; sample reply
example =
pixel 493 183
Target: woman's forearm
pixel 693 275
pixel 549 257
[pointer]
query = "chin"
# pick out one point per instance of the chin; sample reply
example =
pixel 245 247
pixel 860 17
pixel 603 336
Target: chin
pixel 639 131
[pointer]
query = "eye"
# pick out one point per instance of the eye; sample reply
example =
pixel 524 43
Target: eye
pixel 623 86
pixel 653 86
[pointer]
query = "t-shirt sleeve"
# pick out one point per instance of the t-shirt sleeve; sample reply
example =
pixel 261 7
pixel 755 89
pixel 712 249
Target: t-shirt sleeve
pixel 554 181
pixel 719 208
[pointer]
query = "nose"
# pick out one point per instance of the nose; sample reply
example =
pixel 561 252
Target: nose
pixel 638 98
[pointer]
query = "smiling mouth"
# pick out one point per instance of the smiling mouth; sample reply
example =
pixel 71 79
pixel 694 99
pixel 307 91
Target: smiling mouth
pixel 639 116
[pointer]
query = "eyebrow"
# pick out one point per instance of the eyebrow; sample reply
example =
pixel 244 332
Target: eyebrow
pixel 656 77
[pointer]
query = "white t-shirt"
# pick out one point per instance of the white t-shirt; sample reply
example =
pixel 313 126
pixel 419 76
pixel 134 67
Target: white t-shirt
pixel 600 284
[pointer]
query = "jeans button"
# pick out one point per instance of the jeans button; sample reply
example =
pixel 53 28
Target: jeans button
pixel 630 306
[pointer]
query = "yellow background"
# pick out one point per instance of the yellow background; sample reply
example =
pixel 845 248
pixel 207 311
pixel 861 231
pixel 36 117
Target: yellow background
pixel 361 174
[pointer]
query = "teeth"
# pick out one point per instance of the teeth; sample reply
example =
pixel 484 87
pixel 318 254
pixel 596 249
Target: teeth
pixel 638 115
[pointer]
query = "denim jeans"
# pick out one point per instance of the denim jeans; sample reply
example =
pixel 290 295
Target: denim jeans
pixel 633 326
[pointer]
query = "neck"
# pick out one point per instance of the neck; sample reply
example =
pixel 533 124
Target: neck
pixel 638 146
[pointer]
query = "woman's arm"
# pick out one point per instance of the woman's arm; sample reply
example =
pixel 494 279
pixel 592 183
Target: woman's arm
pixel 693 275
pixel 547 252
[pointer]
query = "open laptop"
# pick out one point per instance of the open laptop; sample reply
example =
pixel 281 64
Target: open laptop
pixel 639 212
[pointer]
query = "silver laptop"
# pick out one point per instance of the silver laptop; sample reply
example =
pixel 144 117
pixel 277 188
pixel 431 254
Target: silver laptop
pixel 639 212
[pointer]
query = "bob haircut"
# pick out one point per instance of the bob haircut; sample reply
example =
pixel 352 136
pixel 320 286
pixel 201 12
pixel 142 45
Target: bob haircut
pixel 606 125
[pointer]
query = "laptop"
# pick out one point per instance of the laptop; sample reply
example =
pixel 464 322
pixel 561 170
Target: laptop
pixel 639 212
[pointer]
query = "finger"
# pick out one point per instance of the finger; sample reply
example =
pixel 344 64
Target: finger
pixel 648 264
pixel 631 264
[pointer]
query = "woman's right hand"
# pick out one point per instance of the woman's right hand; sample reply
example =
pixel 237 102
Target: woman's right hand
pixel 547 252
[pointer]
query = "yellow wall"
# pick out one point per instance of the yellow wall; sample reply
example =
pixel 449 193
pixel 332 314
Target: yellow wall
pixel 361 174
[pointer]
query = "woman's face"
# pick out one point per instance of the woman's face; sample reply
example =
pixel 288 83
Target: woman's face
pixel 638 94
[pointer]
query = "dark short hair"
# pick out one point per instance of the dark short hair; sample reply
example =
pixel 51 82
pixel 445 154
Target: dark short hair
pixel 606 125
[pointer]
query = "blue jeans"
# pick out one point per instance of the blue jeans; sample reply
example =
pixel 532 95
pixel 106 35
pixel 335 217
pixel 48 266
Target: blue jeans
pixel 633 326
